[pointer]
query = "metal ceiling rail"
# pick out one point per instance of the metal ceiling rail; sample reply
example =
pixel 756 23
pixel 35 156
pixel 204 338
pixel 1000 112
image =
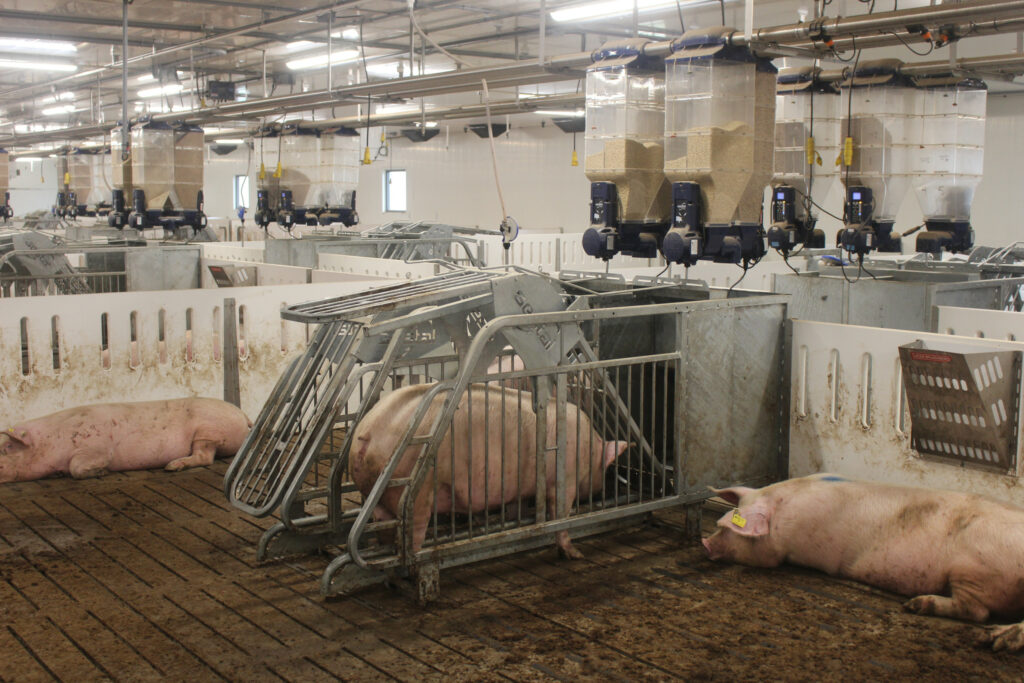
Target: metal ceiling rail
pixel 90 74
pixel 465 111
pixel 882 22
pixel 971 29
pixel 980 13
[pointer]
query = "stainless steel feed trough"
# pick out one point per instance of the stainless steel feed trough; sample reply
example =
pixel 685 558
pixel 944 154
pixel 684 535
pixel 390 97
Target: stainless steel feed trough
pixel 649 367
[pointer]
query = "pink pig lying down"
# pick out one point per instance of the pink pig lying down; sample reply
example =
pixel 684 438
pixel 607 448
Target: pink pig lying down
pixel 959 555
pixel 92 440
pixel 487 421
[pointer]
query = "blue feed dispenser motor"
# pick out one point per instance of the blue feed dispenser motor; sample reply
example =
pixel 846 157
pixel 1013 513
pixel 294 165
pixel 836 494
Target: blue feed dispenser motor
pixel 862 233
pixel 788 231
pixel 714 142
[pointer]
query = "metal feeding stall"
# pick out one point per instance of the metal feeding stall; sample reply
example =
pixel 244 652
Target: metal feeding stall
pixel 650 370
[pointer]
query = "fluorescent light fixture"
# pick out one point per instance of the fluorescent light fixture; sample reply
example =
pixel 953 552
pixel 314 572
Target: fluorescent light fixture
pixel 37 47
pixel 58 97
pixel 301 45
pixel 36 66
pixel 390 69
pixel 230 141
pixel 350 33
pixel 608 8
pixel 169 89
pixel 145 78
pixel 382 109
pixel 560 112
pixel 29 159
pixel 58 110
pixel 320 61
pixel 92 143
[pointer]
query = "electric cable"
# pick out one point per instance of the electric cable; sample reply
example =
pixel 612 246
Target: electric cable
pixel 931 45
pixel 494 155
pixel 416 25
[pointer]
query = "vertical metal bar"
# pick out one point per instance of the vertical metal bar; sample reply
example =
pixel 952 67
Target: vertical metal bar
pixel 232 386
pixel 487 456
pixel 542 47
pixel 330 52
pixel 541 459
pixel 580 415
pixel 265 93
pixel 748 19
pixel 124 82
pixel 561 510
pixel 504 422
pixel 590 439
pixel 664 434
pixel 469 453
pixel 678 424
pixel 629 407
pixel 519 455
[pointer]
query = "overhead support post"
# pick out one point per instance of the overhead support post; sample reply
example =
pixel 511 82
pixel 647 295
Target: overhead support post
pixel 124 80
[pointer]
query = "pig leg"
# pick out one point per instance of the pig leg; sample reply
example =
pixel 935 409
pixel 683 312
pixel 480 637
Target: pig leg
pixel 382 514
pixel 1009 637
pixel 565 546
pixel 83 466
pixel 202 454
pixel 963 603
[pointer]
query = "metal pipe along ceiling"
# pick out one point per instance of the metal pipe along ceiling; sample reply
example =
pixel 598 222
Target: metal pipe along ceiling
pixel 866 24
pixel 92 73
pixel 557 67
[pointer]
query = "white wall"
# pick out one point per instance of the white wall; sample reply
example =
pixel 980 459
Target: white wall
pixel 999 202
pixel 218 182
pixel 33 185
pixel 450 179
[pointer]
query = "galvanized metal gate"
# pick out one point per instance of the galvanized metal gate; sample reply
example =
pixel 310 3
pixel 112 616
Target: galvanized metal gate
pixel 624 370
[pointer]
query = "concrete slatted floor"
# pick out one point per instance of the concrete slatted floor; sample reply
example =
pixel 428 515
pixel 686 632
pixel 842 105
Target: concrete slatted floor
pixel 150 575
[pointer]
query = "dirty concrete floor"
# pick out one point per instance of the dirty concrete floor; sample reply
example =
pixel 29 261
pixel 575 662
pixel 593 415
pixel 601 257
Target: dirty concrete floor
pixel 151 575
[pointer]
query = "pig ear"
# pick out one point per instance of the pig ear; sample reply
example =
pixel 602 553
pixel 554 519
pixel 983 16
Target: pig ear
pixel 752 520
pixel 732 494
pixel 612 450
pixel 18 436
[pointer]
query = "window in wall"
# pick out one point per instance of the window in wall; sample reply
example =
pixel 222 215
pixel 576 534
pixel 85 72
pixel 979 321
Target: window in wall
pixel 394 191
pixel 241 191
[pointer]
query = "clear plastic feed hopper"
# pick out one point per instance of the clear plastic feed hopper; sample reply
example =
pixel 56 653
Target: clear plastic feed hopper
pixel 949 162
pixel 719 144
pixel 82 182
pixel 880 132
pixel 806 146
pixel 629 198
pixel 307 176
pixel 163 178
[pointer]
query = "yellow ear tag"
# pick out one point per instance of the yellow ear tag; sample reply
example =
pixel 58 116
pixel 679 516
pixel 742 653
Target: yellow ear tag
pixel 738 519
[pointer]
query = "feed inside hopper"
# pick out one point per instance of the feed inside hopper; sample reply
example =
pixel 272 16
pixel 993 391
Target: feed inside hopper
pixel 629 197
pixel 719 146
pixel 306 176
pixel 880 130
pixel 806 146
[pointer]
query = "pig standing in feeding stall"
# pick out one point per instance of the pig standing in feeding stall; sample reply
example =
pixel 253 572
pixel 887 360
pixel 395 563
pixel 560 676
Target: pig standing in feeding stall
pixel 89 441
pixel 494 432
pixel 913 541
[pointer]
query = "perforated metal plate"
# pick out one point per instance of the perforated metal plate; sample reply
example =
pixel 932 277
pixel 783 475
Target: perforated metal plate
pixel 963 406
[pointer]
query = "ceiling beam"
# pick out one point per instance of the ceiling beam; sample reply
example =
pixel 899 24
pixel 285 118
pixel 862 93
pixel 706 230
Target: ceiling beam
pixel 67 81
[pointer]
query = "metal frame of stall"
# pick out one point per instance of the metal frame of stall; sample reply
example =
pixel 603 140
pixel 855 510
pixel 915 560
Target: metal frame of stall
pixel 671 375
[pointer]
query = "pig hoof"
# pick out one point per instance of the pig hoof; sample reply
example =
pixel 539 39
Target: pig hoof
pixel 570 553
pixel 176 465
pixel 1010 638
pixel 922 604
